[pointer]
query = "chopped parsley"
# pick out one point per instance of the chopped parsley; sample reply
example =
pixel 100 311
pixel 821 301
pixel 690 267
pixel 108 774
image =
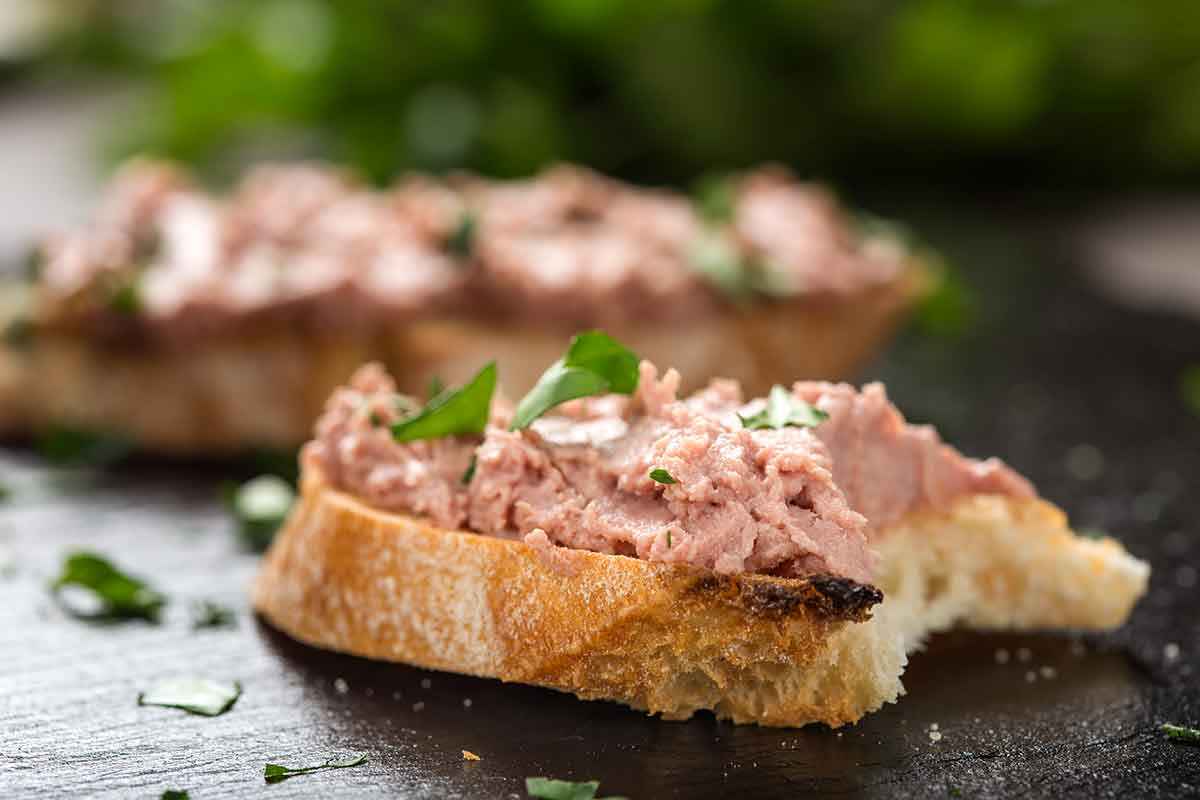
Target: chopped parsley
pixel 113 594
pixel 714 198
pixel 193 695
pixel 453 411
pixel 469 472
pixel 1189 388
pixel 375 419
pixel 717 260
pixel 18 333
pixel 660 475
pixel 207 614
pixel 595 363
pixel 274 773
pixel 126 300
pixel 175 794
pixel 461 241
pixel 1180 733
pixel 68 446
pixel 436 387
pixel 260 506
pixel 551 789
pixel 669 545
pixel 781 410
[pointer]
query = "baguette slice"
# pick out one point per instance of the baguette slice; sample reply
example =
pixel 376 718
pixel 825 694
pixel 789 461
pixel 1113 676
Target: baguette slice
pixel 671 639
pixel 231 393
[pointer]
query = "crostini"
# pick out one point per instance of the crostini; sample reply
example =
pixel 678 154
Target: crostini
pixel 772 561
pixel 193 324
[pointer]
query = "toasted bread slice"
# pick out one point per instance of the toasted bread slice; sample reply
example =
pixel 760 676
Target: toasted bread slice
pixel 240 391
pixel 672 639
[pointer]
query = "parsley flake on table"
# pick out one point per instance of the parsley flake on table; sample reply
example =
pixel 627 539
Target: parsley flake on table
pixel 201 696
pixel 113 595
pixel 551 789
pixel 274 773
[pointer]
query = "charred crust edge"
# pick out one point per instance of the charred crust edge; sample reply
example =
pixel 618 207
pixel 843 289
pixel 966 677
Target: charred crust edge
pixel 826 595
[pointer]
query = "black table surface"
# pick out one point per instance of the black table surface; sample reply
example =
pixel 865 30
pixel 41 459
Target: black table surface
pixel 1076 392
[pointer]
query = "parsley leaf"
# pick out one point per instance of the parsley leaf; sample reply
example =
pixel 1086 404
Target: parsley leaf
pixel 261 505
pixel 117 596
pixel 18 333
pixel 207 614
pixel 436 387
pixel 274 773
pixel 469 473
pixel 714 198
pixel 717 260
pixel 452 412
pixel 595 363
pixel 782 409
pixel 462 239
pixel 67 446
pixel 662 476
pixel 126 300
pixel 551 789
pixel 193 695
pixel 1180 733
pixel 175 794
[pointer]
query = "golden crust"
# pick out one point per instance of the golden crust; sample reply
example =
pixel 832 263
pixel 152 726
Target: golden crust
pixel 231 393
pixel 668 639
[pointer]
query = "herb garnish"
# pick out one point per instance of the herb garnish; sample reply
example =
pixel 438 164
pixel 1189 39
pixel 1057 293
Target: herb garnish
pixel 595 363
pixel 436 387
pixel 469 472
pixel 662 476
pixel 207 614
pixel 783 409
pixel 260 506
pixel 175 794
pixel 550 789
pixel 452 412
pixel 126 300
pixel 274 773
pixel 713 197
pixel 76 447
pixel 462 239
pixel 18 333
pixel 718 261
pixel 117 596
pixel 1180 733
pixel 193 695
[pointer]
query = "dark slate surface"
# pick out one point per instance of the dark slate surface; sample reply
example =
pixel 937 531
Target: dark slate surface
pixel 1077 393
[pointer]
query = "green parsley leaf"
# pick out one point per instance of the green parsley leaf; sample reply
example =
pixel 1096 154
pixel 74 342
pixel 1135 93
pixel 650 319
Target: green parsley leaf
pixel 18 333
pixel 452 412
pixel 662 476
pixel 68 446
pixel 461 241
pixel 274 773
pixel 669 537
pixel 260 506
pixel 714 198
pixel 469 473
pixel 551 789
pixel 126 300
pixel 595 363
pixel 717 260
pixel 193 695
pixel 207 614
pixel 1189 388
pixel 1179 733
pixel 175 794
pixel 436 387
pixel 117 596
pixel 781 410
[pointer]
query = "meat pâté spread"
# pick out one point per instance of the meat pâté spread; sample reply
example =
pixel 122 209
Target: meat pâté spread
pixel 698 480
pixel 309 243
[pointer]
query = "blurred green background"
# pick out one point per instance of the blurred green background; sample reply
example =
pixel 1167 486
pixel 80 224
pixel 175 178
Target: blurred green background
pixel 1009 93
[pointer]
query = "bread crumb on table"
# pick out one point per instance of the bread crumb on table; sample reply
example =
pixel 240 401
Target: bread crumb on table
pixel 469 756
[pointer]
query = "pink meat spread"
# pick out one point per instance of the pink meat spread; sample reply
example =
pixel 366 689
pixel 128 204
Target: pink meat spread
pixel 792 501
pixel 308 242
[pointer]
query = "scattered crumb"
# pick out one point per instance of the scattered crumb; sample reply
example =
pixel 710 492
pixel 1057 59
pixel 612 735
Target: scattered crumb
pixel 396 695
pixel 1030 676
pixel 1170 651
pixel 426 683
pixel 1049 673
pixel 469 756
pixel 340 685
pixel 1002 656
pixel 466 702
pixel 1024 654
pixel 839 734
pixel 418 706
pixel 933 726
pixel 935 736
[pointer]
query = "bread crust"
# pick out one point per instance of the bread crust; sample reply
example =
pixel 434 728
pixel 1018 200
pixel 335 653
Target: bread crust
pixel 673 639
pixel 229 393
pixel 668 639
